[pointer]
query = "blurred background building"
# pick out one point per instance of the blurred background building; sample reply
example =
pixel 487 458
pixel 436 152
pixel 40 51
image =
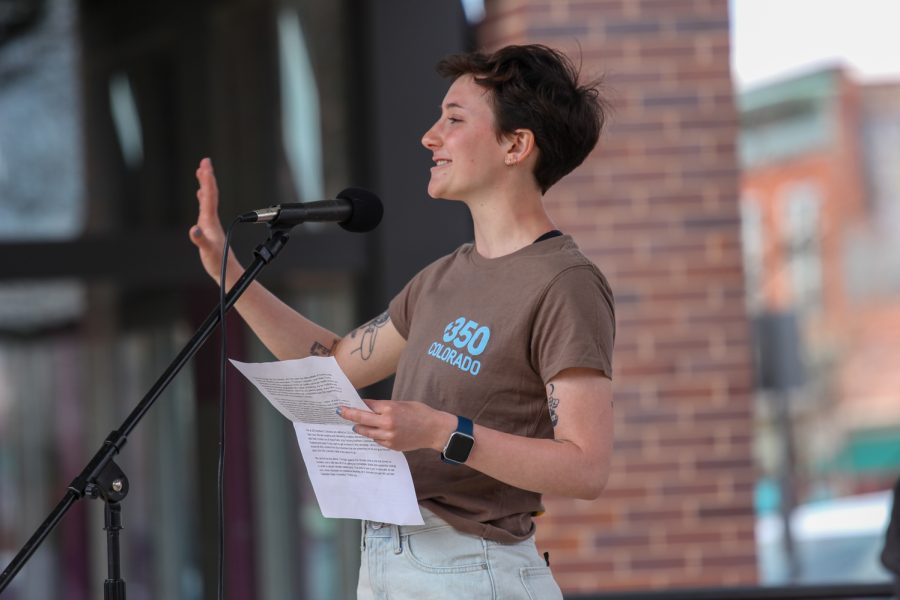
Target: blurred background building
pixel 819 203
pixel 749 239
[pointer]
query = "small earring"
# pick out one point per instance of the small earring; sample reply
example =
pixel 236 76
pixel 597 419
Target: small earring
pixel 510 161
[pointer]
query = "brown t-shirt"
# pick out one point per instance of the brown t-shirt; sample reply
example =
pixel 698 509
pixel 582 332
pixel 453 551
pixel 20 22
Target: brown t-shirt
pixel 483 338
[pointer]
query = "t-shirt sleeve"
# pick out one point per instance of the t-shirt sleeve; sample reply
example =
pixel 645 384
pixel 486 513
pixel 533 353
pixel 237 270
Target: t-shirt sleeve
pixel 575 324
pixel 403 305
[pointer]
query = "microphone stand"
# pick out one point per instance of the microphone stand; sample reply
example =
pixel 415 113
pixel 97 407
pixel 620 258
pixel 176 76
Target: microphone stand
pixel 102 477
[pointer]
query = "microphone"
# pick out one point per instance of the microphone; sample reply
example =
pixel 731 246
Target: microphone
pixel 355 210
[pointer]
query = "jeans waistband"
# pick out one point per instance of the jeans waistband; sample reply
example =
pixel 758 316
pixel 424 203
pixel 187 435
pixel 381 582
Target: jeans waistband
pixel 373 529
pixel 376 529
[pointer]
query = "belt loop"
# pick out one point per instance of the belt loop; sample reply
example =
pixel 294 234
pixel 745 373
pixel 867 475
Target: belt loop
pixel 395 535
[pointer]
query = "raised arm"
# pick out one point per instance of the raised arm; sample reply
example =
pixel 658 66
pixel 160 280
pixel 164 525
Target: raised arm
pixel 368 354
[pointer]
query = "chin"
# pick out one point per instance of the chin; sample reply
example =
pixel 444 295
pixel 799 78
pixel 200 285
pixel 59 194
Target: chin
pixel 437 195
pixel 441 192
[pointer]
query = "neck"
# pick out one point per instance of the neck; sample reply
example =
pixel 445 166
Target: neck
pixel 508 223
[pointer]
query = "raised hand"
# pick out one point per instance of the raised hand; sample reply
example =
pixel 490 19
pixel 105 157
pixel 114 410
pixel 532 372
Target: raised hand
pixel 207 234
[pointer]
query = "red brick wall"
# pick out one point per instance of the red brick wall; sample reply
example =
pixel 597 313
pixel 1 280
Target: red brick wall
pixel 656 207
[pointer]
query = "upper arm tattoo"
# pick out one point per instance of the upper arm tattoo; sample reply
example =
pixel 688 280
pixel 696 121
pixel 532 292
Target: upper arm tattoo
pixel 552 404
pixel 367 334
pixel 321 349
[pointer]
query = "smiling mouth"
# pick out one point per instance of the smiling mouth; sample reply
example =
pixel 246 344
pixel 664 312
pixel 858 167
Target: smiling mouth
pixel 441 163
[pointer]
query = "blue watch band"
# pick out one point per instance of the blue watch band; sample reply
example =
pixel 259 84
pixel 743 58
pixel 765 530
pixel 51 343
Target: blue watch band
pixel 460 443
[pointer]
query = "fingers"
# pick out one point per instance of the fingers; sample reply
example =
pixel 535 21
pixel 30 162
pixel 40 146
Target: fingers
pixel 378 406
pixel 205 172
pixel 208 230
pixel 367 424
pixel 378 427
pixel 396 425
pixel 375 434
pixel 208 194
pixel 362 417
pixel 197 237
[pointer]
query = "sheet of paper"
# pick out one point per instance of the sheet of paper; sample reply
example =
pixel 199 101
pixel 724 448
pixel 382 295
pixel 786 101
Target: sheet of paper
pixel 352 476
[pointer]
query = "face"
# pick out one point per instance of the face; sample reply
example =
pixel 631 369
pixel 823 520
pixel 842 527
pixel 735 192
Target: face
pixel 468 158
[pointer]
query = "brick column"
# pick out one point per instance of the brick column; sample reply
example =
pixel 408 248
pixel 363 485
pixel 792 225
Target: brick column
pixel 656 207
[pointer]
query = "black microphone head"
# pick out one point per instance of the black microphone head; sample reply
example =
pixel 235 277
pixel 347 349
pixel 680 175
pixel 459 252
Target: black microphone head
pixel 367 210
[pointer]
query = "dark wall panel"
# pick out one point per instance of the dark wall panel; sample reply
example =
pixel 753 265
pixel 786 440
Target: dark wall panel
pixel 403 95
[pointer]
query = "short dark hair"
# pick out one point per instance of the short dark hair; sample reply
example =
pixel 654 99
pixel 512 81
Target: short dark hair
pixel 535 87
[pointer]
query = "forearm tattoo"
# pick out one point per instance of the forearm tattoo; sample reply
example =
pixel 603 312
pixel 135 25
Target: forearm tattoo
pixel 321 349
pixel 367 334
pixel 552 404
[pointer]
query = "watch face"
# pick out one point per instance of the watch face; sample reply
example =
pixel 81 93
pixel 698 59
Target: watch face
pixel 459 446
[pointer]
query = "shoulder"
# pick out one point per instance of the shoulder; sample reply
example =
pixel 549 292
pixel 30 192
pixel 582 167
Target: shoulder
pixel 574 323
pixel 575 290
pixel 566 267
pixel 558 253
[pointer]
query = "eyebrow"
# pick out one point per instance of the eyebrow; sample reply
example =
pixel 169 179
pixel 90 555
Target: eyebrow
pixel 454 105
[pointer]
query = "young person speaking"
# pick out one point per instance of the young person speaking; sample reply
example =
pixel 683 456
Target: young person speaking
pixel 502 350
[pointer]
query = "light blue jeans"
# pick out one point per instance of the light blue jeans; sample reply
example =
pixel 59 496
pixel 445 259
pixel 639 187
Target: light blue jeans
pixel 435 562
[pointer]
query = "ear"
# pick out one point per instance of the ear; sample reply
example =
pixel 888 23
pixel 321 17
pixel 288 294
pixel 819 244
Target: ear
pixel 520 146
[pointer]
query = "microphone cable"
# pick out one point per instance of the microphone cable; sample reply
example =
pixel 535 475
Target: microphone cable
pixel 223 363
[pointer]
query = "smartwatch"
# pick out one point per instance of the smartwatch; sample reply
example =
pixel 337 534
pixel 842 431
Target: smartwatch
pixel 458 447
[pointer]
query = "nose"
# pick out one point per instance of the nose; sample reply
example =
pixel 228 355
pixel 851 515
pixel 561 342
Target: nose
pixel 430 140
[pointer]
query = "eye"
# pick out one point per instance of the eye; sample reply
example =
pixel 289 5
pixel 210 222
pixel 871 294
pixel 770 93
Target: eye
pixel 454 120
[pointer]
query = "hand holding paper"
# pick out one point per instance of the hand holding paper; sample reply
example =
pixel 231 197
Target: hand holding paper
pixel 352 476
